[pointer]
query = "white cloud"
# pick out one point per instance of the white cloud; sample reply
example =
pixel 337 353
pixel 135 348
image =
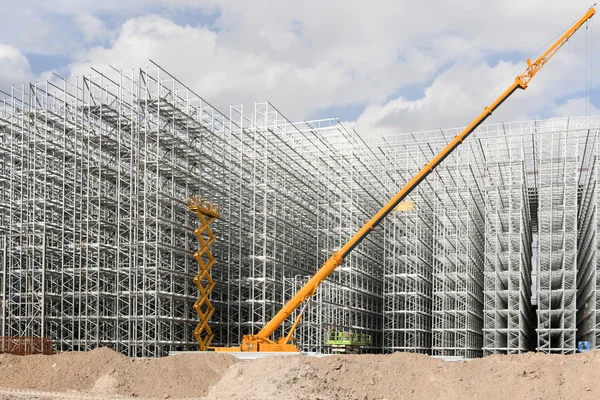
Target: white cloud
pixel 152 37
pixel 92 27
pixel 576 107
pixel 458 94
pixel 313 55
pixel 15 67
pixel 224 73
pixel 451 100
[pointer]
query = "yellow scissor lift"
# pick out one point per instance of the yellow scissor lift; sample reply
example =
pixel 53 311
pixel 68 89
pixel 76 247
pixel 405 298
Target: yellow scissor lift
pixel 207 214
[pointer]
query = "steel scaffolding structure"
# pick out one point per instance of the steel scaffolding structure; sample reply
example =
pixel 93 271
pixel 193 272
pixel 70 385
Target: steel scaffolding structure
pixel 333 308
pixel 97 242
pixel 97 232
pixel 408 259
pixel 97 239
pixel 305 195
pixel 96 174
pixel 508 318
pixel 588 278
pixel 519 164
pixel 276 218
pixel 557 232
pixel 407 278
pixel 351 301
pixel 458 259
pixel 311 331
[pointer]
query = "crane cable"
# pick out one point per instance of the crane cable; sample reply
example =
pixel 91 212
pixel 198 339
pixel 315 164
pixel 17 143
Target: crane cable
pixel 589 66
pixel 589 77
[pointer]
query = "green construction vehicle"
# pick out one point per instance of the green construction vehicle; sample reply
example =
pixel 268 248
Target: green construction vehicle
pixel 347 342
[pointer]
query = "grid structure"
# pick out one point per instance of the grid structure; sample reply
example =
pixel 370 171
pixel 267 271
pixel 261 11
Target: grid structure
pixel 96 241
pixel 97 237
pixel 407 278
pixel 517 166
pixel 508 318
pixel 276 218
pixel 587 274
pixel 458 260
pixel 353 303
pixel 334 308
pixel 310 332
pixel 557 231
pixel 350 192
pixel 293 213
pixel 588 278
pixel 408 262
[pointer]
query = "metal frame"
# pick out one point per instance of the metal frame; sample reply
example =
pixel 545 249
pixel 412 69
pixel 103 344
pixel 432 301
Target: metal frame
pixel 97 241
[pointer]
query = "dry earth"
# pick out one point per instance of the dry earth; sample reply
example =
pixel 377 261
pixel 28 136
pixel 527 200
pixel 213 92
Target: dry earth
pixel 104 374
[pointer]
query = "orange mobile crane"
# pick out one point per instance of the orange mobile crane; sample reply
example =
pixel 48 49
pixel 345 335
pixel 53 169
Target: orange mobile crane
pixel 260 342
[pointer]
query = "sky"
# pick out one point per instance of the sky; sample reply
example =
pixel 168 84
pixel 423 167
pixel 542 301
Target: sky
pixel 381 67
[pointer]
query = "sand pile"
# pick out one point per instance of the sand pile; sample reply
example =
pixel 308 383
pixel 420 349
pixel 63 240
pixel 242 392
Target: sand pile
pixel 105 373
pixel 410 376
pixel 282 378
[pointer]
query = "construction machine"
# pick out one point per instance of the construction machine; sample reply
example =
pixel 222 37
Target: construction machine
pixel 261 341
pixel 344 342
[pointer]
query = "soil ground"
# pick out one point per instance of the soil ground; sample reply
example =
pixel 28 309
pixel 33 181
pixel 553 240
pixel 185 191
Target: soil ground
pixel 105 374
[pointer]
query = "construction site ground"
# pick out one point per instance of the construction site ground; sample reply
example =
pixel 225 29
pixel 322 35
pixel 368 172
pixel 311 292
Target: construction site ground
pixel 105 374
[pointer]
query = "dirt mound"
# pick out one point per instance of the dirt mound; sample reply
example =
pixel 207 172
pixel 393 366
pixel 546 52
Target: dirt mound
pixel 403 375
pixel 275 377
pixel 102 373
pixel 106 371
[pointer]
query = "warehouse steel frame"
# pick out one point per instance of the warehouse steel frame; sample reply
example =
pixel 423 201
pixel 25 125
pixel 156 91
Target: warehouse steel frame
pixel 97 240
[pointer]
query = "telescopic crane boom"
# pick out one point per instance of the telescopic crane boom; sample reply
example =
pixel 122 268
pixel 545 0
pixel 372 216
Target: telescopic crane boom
pixel 261 341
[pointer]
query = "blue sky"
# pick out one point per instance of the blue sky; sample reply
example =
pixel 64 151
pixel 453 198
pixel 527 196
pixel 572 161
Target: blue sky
pixel 382 68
